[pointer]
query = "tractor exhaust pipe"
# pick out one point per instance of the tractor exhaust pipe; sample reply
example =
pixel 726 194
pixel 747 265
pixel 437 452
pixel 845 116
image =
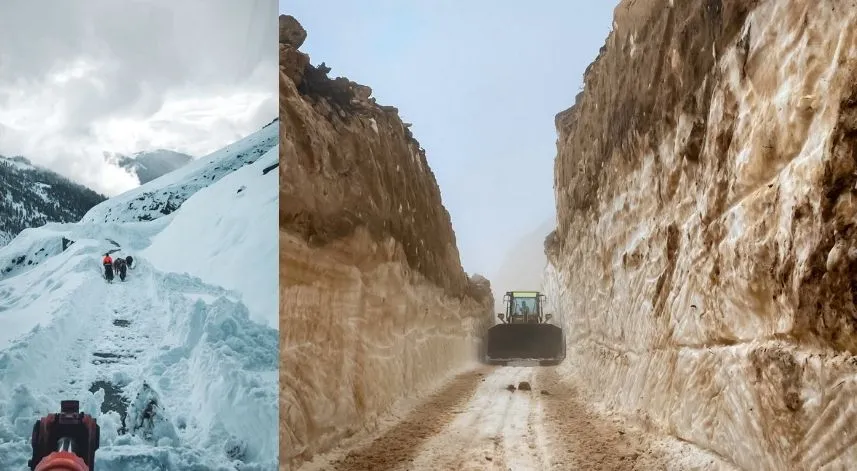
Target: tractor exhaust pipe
pixel 67 445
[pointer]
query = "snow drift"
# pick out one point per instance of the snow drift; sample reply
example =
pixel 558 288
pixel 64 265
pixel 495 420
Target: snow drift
pixel 234 248
pixel 705 254
pixel 177 363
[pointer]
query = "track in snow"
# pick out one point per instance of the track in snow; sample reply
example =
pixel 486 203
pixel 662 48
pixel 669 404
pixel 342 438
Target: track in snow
pixel 475 422
pixel 118 347
pixel 112 348
pixel 482 421
pixel 118 338
pixel 495 430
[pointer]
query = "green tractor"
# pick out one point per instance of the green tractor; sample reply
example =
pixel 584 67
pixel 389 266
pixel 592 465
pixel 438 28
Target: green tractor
pixel 524 334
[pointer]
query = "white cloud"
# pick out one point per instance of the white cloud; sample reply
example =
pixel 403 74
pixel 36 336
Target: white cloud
pixel 84 77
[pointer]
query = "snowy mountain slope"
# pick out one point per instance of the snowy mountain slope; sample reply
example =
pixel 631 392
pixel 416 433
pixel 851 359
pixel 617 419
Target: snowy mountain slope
pixel 164 195
pixel 180 346
pixel 30 196
pixel 210 233
pixel 147 166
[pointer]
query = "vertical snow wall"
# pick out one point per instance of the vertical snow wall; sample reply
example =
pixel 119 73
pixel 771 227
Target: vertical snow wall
pixel 706 251
pixel 374 303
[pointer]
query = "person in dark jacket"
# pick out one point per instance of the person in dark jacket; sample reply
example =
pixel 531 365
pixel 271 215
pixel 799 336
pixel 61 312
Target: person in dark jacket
pixel 129 260
pixel 120 267
pixel 108 267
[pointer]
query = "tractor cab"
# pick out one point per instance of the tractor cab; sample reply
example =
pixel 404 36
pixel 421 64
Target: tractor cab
pixel 524 307
pixel 524 333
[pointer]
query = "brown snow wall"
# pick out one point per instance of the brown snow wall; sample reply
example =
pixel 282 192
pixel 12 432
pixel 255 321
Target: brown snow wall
pixel 705 260
pixel 375 306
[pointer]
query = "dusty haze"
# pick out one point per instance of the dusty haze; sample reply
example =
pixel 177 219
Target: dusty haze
pixel 523 266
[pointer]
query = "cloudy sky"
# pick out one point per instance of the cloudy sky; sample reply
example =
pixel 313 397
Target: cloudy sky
pixel 481 81
pixel 80 78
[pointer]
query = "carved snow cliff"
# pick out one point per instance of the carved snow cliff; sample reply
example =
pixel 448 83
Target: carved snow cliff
pixel 706 251
pixel 375 306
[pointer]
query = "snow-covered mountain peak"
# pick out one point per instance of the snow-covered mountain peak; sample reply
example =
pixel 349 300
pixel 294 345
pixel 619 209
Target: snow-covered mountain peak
pixel 165 194
pixel 149 165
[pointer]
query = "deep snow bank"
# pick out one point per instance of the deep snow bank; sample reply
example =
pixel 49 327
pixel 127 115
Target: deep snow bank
pixel 172 365
pixel 227 236
pixel 375 305
pixel 705 256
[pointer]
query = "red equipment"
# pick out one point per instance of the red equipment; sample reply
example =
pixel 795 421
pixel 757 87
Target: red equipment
pixel 65 441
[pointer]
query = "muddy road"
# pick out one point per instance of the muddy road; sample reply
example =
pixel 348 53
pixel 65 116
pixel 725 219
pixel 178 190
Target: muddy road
pixel 518 419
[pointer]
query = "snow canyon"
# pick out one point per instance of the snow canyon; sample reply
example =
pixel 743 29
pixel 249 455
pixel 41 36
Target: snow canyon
pixel 704 264
pixel 375 305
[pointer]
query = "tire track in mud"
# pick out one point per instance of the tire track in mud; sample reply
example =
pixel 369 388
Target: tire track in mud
pixel 493 433
pixel 580 438
pixel 520 437
pixel 476 439
pixel 399 445
pixel 491 427
pixel 484 420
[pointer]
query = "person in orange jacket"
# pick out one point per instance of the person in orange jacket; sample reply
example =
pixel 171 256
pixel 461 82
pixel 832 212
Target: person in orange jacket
pixel 108 267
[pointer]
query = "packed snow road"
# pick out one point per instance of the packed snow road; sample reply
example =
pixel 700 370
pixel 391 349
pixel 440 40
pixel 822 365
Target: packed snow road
pixel 174 370
pixel 179 363
pixel 518 419
pixel 496 429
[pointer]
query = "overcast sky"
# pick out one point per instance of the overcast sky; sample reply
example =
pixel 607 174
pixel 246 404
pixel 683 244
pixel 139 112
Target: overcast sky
pixel 481 81
pixel 78 78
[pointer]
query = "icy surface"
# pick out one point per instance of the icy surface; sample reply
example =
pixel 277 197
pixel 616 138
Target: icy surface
pixel 172 365
pixel 494 423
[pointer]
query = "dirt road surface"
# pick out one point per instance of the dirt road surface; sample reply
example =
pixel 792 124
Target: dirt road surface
pixel 517 419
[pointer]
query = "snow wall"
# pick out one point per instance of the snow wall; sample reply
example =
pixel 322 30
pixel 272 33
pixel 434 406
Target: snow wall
pixel 705 259
pixel 375 306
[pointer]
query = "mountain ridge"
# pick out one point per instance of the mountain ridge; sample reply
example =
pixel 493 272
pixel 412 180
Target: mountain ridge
pixel 149 165
pixel 31 196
